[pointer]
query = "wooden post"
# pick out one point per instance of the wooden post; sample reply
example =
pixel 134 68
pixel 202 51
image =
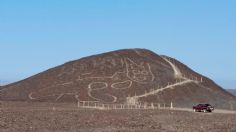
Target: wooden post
pixel 78 104
pixel 152 106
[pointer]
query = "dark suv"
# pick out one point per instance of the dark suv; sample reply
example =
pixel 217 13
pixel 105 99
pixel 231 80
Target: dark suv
pixel 203 108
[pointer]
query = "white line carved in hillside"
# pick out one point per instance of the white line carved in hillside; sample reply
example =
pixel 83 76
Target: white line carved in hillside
pixel 119 81
pixel 93 91
pixel 57 96
pixel 139 73
pixel 67 71
pixel 33 95
pixel 102 88
pixel 95 85
pixel 122 85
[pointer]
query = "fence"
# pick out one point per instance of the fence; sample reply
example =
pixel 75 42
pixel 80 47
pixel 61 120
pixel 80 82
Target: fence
pixel 98 105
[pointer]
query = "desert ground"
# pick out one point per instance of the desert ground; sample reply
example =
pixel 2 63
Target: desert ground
pixel 61 117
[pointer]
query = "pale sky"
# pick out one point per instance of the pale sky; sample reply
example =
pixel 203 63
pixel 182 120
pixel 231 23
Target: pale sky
pixel 38 35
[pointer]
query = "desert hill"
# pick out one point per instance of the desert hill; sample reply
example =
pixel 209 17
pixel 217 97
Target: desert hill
pixel 122 76
pixel 233 91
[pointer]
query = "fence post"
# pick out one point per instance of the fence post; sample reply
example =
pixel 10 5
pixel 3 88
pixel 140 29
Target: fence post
pixel 78 104
pixel 171 105
pixel 152 105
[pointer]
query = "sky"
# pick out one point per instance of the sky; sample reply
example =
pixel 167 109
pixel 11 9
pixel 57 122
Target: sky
pixel 38 35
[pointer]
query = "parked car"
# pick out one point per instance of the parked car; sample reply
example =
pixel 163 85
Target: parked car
pixel 203 108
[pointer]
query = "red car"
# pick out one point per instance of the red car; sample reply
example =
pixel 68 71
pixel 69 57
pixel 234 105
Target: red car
pixel 203 108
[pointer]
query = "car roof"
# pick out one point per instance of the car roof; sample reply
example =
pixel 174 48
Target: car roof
pixel 203 104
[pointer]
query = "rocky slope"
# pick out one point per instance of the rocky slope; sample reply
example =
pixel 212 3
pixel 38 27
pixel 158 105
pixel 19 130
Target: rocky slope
pixel 232 91
pixel 123 76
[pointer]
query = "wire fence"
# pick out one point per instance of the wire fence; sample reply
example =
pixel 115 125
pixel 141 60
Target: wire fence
pixel 98 105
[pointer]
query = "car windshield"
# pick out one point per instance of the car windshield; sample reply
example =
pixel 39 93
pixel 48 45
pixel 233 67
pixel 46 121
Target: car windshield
pixel 203 105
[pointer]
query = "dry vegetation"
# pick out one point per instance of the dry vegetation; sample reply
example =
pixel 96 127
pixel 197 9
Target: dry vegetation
pixel 46 117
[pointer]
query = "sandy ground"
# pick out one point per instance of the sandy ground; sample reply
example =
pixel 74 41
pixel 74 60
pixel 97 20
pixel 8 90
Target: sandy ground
pixel 49 117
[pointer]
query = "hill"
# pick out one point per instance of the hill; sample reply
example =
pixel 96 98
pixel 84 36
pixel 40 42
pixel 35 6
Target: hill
pixel 123 76
pixel 232 91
